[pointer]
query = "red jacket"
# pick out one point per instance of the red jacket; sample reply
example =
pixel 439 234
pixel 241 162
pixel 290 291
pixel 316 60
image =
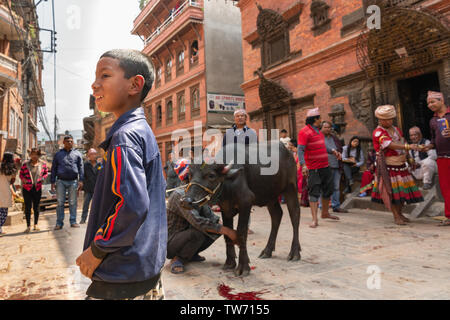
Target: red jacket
pixel 27 179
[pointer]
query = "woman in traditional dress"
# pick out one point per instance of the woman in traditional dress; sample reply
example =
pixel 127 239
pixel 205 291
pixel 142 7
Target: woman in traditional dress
pixel 394 186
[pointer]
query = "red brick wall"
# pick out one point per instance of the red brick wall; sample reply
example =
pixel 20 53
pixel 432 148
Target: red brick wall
pixel 305 75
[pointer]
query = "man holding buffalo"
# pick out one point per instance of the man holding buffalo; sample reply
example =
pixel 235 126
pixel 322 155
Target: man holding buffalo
pixel 190 231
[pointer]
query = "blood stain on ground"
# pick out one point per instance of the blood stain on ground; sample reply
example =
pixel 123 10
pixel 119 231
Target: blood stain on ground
pixel 225 291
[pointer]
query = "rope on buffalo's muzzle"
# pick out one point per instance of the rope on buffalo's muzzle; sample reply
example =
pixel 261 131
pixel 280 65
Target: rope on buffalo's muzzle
pixel 206 198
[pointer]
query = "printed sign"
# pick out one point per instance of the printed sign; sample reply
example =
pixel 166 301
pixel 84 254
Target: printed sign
pixel 225 103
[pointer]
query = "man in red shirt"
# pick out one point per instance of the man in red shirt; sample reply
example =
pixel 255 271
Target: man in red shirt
pixel 440 139
pixel 313 157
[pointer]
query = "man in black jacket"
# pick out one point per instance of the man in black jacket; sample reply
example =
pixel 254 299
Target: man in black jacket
pixel 91 169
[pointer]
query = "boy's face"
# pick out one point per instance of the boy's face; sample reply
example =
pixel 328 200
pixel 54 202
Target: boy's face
pixel 111 89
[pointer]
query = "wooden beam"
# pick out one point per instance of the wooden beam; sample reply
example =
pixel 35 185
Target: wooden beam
pixel 143 40
pixel 156 18
pixel 170 52
pixel 164 5
pixel 159 60
pixel 196 31
pixel 147 28
pixel 182 43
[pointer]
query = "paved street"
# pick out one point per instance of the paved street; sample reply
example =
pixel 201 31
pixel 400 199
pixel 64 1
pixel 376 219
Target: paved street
pixel 338 258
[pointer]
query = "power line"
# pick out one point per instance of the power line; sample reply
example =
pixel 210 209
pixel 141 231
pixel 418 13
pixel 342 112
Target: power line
pixel 70 71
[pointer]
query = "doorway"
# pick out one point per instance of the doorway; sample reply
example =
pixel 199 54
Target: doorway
pixel 281 121
pixel 413 100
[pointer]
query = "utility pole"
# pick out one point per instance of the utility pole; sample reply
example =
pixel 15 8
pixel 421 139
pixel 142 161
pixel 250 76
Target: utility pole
pixel 26 107
pixel 54 74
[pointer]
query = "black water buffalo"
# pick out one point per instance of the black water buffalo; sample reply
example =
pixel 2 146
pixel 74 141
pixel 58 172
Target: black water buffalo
pixel 237 187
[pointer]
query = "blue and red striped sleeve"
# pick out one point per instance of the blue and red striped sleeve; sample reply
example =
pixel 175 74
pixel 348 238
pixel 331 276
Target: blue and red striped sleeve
pixel 131 202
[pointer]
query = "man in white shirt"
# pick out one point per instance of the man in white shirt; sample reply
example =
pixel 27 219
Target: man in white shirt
pixel 240 132
pixel 284 138
pixel 425 162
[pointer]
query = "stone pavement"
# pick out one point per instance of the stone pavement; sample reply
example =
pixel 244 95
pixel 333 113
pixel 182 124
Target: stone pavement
pixel 364 256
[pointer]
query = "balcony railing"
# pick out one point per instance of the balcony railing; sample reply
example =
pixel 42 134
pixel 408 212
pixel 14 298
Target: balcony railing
pixel 8 63
pixel 172 18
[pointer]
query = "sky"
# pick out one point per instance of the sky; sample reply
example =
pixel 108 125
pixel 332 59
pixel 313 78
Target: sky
pixel 85 30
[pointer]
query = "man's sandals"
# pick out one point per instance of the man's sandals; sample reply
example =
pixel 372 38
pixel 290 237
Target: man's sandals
pixel 444 223
pixel 177 267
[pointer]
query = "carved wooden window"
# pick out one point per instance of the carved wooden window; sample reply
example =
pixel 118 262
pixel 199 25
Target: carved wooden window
pixel 194 53
pixel 169 70
pixel 150 115
pixel 159 115
pixel 158 77
pixel 319 14
pixel 276 50
pixel 169 112
pixel 180 63
pixel 181 106
pixel 195 101
pixel 274 34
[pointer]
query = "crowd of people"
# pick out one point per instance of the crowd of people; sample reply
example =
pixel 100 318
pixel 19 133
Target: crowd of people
pixel 392 167
pixel 67 175
pixel 130 233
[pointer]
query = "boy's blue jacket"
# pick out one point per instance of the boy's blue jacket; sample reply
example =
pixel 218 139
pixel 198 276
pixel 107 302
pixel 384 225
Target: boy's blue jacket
pixel 127 222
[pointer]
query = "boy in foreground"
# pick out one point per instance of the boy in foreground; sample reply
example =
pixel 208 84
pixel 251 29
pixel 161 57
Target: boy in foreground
pixel 126 236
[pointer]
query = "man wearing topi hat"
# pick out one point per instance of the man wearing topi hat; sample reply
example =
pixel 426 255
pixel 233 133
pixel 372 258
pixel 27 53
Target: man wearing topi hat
pixel 313 157
pixel 440 140
pixel 394 186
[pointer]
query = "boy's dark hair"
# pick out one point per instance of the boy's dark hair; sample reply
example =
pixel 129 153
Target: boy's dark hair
pixel 311 120
pixel 8 167
pixel 283 131
pixel 133 63
pixel 68 137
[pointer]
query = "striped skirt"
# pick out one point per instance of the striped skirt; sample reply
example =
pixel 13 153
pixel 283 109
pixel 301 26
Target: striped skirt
pixel 404 189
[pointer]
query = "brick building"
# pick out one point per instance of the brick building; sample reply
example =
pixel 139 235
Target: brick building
pixel 20 76
pixel 195 47
pixel 320 53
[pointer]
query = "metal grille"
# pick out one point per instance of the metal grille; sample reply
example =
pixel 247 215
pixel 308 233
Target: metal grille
pixel 408 39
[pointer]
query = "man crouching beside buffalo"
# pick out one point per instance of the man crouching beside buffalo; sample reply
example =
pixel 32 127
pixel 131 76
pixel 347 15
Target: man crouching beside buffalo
pixel 190 231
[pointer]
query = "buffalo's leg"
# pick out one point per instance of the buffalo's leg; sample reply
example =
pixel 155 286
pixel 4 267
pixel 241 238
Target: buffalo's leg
pixel 275 214
pixel 230 263
pixel 243 268
pixel 294 213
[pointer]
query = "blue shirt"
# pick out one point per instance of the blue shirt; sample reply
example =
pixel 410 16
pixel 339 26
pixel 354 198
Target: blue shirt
pixel 67 165
pixel 127 223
